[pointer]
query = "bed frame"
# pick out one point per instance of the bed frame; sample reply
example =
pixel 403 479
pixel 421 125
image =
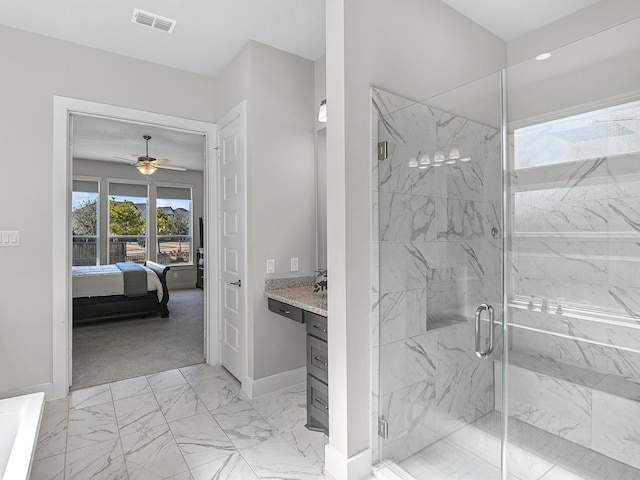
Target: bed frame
pixel 88 309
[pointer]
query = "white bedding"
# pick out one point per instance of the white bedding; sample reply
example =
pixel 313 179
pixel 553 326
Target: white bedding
pixel 105 280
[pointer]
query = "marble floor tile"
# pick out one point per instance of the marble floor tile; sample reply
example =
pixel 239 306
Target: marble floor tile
pixel 102 461
pixel 91 425
pixel 184 424
pixel 244 426
pixel 297 395
pixel 200 439
pixel 215 392
pixel 130 388
pixel 279 411
pixel 309 444
pixel 202 371
pixel 170 378
pixel 88 397
pixel 56 407
pixel 153 454
pixel 231 467
pixel 179 402
pixel 275 458
pixel 137 414
pixel 52 438
pixel 50 468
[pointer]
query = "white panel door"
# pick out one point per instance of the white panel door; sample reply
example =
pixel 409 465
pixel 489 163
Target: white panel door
pixel 231 135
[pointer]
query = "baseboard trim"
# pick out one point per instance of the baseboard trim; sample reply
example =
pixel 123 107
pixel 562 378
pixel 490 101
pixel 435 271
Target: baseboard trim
pixel 47 388
pixel 357 467
pixel 273 383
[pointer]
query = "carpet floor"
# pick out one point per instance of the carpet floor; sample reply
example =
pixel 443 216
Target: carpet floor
pixel 106 352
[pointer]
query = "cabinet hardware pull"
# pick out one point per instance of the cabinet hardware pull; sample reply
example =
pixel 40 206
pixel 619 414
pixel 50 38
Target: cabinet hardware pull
pixel 317 400
pixel 319 359
pixel 286 312
pixel 324 330
pixel 237 284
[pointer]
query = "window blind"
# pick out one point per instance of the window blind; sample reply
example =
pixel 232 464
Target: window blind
pixel 173 193
pixel 127 190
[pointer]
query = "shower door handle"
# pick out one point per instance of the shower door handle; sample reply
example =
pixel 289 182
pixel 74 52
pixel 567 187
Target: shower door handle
pixel 489 350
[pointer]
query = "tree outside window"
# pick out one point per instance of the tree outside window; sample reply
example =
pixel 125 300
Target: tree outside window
pixel 173 214
pixel 84 222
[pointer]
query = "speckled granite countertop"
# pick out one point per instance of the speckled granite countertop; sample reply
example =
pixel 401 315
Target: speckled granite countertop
pixel 297 292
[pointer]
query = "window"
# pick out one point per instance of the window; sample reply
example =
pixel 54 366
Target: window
pixel 128 204
pixel 173 226
pixel 84 221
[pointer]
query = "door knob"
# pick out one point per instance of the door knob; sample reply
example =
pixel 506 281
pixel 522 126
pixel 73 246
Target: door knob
pixel 238 283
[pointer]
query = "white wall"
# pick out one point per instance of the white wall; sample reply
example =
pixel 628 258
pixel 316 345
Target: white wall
pixel 179 276
pixel 280 179
pixel 416 48
pixel 34 69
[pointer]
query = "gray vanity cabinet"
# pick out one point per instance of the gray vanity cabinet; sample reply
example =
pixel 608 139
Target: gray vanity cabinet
pixel 317 373
pixel 317 362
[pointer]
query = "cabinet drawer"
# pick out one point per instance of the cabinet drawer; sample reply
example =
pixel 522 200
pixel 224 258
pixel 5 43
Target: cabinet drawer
pixel 294 313
pixel 316 325
pixel 317 405
pixel 317 358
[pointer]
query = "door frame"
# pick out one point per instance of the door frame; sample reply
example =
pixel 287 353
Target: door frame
pixel 61 301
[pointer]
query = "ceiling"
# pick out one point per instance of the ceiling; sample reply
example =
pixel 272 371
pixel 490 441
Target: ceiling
pixel 104 139
pixel 510 19
pixel 208 34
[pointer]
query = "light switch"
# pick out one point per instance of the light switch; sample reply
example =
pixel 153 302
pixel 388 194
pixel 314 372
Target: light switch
pixel 294 264
pixel 271 265
pixel 10 239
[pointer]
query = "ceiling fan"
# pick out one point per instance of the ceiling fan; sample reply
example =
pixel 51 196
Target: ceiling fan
pixel 147 165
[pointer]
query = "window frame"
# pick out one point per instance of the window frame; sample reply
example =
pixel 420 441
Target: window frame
pixel 186 186
pixel 97 180
pixel 125 181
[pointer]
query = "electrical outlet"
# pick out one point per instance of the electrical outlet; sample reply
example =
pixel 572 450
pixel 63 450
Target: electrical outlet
pixel 271 265
pixel 294 264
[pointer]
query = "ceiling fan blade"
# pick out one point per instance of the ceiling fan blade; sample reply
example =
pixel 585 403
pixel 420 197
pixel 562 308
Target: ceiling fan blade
pixel 171 167
pixel 125 160
pixel 162 161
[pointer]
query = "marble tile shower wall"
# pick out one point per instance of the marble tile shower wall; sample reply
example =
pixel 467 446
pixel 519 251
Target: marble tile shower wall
pixel 577 244
pixel 434 260
pixel 575 369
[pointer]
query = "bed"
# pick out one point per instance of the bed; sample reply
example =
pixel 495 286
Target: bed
pixel 107 292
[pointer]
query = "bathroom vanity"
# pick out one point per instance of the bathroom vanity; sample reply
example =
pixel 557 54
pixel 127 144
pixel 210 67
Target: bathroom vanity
pixel 297 301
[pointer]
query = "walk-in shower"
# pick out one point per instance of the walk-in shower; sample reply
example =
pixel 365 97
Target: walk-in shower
pixel 506 297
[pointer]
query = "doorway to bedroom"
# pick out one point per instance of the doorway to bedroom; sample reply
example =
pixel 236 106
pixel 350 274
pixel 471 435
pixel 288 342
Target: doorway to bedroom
pixel 137 200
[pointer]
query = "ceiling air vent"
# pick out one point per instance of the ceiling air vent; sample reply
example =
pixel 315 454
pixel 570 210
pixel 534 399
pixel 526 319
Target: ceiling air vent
pixel 152 20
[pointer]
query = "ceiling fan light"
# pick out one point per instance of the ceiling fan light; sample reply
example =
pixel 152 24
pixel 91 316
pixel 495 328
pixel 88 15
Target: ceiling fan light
pixel 146 169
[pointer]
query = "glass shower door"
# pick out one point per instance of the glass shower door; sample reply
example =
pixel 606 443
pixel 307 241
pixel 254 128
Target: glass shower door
pixel 573 383
pixel 439 295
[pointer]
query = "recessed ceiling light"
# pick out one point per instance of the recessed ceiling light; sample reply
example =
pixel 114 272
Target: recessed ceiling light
pixel 544 56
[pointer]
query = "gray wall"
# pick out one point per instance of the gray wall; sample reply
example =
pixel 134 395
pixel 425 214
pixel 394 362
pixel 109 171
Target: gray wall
pixel 179 276
pixel 34 69
pixel 279 89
